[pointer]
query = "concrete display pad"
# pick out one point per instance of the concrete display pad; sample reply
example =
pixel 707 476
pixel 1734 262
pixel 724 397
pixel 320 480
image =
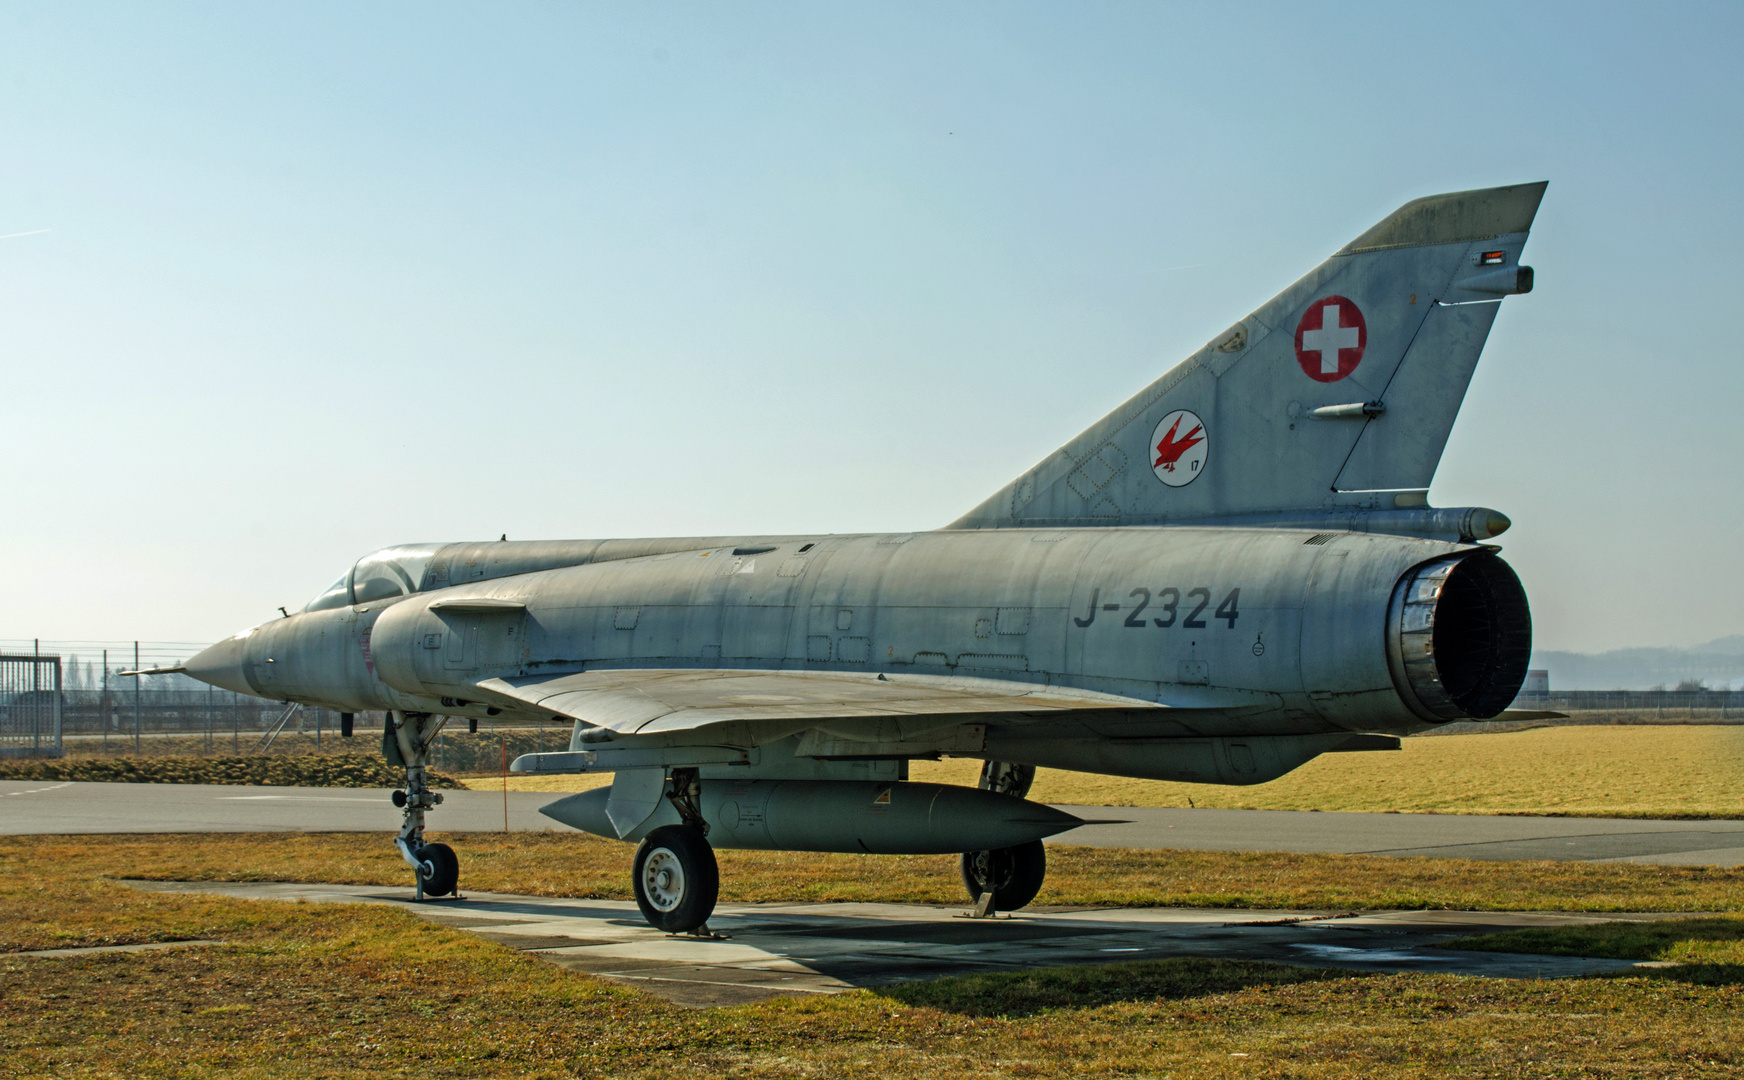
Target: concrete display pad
pixel 772 950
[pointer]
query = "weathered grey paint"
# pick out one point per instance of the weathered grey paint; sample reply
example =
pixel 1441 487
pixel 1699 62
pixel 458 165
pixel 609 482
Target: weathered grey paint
pixel 931 605
pixel 1265 455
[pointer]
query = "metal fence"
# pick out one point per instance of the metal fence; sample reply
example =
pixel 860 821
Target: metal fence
pixel 30 706
pixel 1669 704
pixel 103 713
pixel 127 718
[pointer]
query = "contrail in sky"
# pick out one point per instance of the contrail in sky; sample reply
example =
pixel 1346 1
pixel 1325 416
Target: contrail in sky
pixel 33 232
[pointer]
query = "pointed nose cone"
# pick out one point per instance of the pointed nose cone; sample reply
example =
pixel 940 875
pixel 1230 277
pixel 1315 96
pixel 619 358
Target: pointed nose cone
pixel 222 665
pixel 1497 523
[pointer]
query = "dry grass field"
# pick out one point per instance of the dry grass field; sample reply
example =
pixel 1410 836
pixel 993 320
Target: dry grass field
pixel 299 990
pixel 1621 771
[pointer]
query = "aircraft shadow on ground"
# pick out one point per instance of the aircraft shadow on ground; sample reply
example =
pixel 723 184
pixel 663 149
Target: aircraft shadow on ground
pixel 1028 993
pixel 1694 974
pixel 1629 940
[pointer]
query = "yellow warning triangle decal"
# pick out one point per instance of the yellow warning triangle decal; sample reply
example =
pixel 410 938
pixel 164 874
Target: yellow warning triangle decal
pixel 883 798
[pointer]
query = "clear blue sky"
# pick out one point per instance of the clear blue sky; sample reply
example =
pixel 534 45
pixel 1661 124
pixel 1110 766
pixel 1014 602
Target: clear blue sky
pixel 323 278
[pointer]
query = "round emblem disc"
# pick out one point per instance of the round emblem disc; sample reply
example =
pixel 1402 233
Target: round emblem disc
pixel 1179 447
pixel 1330 339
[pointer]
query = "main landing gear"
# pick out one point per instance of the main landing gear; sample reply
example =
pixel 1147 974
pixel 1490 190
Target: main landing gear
pixel 406 739
pixel 1008 878
pixel 676 879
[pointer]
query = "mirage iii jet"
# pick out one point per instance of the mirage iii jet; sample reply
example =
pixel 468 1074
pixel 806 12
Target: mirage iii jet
pixel 1233 572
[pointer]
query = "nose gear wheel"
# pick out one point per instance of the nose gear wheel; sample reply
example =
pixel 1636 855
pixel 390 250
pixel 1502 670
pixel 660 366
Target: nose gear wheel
pixel 444 869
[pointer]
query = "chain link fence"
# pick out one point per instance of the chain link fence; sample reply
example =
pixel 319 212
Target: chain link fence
pixel 30 706
pixel 69 697
pixel 1641 706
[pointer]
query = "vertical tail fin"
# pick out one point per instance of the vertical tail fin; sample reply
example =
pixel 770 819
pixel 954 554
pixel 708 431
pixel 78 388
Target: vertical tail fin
pixel 1339 393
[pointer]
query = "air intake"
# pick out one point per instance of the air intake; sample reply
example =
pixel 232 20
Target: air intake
pixel 1459 637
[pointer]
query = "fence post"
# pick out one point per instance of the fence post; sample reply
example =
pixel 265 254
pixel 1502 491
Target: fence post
pixel 136 681
pixel 35 698
pixel 103 716
pixel 57 708
pixel 236 732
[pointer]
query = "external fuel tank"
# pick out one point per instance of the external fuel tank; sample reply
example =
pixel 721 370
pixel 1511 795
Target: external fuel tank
pixel 853 816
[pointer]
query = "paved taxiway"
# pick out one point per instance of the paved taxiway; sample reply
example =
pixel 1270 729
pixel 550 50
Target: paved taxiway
pixel 774 949
pixel 47 807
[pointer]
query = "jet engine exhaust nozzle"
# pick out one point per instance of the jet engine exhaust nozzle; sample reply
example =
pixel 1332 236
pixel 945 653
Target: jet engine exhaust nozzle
pixel 1459 637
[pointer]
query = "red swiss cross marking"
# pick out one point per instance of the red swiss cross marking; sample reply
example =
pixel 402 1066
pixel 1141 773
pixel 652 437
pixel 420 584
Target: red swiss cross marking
pixel 1331 338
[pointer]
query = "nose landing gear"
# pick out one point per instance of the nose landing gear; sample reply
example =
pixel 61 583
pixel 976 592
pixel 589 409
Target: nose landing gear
pixel 406 739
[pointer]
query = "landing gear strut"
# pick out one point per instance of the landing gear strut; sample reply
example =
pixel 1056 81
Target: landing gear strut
pixel 676 879
pixel 1009 878
pixel 406 739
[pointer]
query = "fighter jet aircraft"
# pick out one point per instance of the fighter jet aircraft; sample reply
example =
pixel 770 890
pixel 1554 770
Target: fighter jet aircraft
pixel 1233 572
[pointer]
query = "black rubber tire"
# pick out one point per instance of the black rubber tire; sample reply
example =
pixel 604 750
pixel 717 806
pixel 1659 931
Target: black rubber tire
pixel 444 875
pixel 1016 873
pixel 680 902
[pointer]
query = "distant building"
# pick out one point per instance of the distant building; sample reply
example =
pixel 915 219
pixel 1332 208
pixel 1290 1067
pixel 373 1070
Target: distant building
pixel 1537 681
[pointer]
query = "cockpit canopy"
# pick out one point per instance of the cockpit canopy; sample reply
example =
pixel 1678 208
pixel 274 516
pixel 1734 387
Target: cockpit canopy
pixel 390 572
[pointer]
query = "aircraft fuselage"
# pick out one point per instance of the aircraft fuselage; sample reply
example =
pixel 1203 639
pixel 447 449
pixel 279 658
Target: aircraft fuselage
pixel 1242 632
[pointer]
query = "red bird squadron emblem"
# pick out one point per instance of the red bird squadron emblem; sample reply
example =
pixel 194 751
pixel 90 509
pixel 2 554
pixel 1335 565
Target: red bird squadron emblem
pixel 1169 451
pixel 1180 457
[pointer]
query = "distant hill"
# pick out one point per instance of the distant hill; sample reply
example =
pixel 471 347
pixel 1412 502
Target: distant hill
pixel 1718 664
